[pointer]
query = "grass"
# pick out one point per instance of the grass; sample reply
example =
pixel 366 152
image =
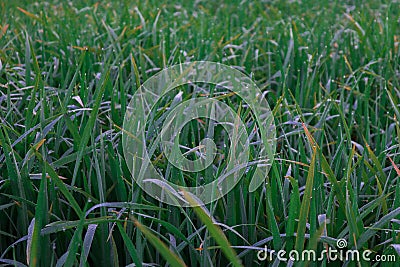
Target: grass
pixel 330 72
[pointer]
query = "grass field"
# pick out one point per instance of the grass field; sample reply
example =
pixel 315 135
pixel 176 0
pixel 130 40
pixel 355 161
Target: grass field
pixel 330 72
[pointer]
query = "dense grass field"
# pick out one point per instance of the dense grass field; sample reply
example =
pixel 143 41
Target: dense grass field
pixel 330 73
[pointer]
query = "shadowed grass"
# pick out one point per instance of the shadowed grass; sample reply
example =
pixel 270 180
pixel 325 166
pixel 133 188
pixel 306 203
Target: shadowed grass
pixel 329 70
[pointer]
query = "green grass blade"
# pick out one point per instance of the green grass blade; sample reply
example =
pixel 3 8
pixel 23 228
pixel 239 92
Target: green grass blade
pixel 370 232
pixel 87 243
pixel 168 255
pixel 129 245
pixel 89 126
pixel 305 205
pixel 214 230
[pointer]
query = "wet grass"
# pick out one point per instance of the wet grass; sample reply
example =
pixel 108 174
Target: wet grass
pixel 330 72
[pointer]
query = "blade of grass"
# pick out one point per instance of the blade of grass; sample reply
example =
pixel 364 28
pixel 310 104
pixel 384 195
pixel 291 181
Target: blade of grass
pixel 214 230
pixel 129 245
pixel 168 255
pixel 89 126
pixel 87 243
pixel 305 204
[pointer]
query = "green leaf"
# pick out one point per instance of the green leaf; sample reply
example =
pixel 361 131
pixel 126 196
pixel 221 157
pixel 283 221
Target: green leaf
pixel 168 255
pixel 305 205
pixel 129 245
pixel 371 231
pixel 214 230
pixel 89 126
